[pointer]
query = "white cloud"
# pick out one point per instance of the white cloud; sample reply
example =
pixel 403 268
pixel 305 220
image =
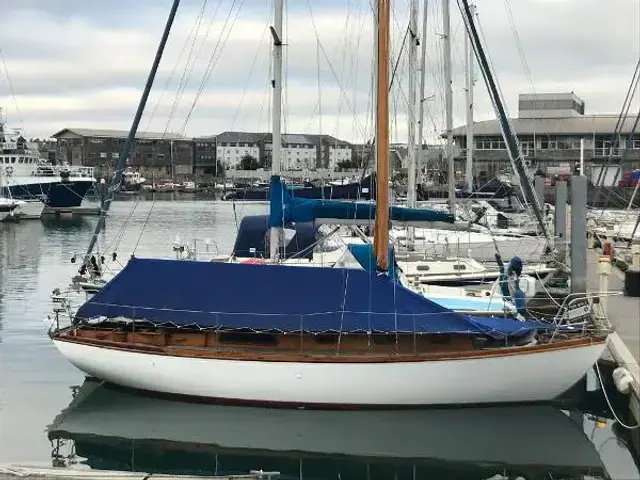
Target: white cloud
pixel 88 70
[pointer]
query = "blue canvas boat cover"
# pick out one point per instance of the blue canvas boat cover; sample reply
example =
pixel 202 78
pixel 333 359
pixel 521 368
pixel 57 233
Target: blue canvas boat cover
pixel 277 298
pixel 285 209
pixel 253 233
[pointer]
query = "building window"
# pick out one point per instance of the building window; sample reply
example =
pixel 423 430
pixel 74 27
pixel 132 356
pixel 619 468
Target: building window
pixel 636 144
pixel 568 143
pixel 549 144
pixel 527 148
pixel 483 144
pixel 103 154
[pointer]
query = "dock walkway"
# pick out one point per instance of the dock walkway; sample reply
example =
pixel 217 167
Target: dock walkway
pixel 13 472
pixel 624 344
pixel 623 311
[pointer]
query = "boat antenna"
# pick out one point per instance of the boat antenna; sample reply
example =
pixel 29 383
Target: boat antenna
pixel 381 233
pixel 126 149
pixel 510 138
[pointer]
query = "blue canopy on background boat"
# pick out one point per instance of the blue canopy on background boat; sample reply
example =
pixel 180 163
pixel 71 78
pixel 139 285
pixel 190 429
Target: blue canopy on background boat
pixel 285 209
pixel 277 297
pixel 253 233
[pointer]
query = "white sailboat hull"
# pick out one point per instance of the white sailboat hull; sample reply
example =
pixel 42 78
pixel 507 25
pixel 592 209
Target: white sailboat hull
pixel 29 209
pixel 535 376
pixel 438 243
pixel 7 207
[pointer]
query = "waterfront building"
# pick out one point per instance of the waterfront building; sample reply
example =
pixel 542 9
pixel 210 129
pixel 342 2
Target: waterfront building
pixel 550 127
pixel 299 151
pixel 168 156
pixel 153 154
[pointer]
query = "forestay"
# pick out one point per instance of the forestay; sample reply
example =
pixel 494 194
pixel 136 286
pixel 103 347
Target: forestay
pixel 279 298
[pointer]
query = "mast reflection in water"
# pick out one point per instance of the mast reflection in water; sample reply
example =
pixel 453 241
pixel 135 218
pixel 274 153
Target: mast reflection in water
pixel 112 429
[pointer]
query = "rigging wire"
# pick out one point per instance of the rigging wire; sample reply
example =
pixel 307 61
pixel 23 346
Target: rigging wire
pixel 253 64
pixel 621 162
pixel 611 409
pixel 215 56
pixel 165 88
pixel 144 225
pixel 11 90
pixel 186 73
pixel 344 46
pixel 343 94
pixel 624 111
pixel 516 35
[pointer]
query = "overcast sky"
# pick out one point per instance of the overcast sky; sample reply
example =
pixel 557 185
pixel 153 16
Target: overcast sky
pixel 83 63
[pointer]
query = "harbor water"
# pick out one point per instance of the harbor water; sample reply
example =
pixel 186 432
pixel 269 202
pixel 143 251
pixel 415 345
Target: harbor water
pixel 51 416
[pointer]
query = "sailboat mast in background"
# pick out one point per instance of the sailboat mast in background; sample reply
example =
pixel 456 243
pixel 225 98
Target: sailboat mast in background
pixel 411 110
pixel 381 236
pixel 276 231
pixel 423 61
pixel 469 77
pixel 448 97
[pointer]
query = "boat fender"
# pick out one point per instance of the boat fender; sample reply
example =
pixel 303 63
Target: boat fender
pixel 9 170
pixel 622 379
pixel 519 300
pixel 255 261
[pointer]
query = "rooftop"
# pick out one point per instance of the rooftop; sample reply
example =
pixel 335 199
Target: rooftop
pixel 287 138
pixel 581 125
pixel 100 133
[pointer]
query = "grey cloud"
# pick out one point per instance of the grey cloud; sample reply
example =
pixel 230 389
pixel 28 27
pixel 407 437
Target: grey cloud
pixel 571 45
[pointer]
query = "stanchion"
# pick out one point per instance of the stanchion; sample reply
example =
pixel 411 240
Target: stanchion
pixel 604 270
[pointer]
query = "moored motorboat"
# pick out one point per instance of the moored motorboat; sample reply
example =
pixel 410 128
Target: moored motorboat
pixel 29 209
pixel 7 207
pixel 29 177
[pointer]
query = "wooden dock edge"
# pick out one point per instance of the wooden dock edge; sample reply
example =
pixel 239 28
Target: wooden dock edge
pixel 85 211
pixel 624 358
pixel 12 472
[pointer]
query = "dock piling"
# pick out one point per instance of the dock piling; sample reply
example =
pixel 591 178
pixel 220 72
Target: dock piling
pixel 560 227
pixel 604 270
pixel 538 183
pixel 632 275
pixel 578 234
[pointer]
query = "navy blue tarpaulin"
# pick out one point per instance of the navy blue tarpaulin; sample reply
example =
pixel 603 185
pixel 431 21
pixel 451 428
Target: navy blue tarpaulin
pixel 285 209
pixel 277 298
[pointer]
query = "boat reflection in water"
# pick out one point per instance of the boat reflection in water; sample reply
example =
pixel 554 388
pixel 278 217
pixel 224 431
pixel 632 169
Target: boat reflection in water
pixel 113 429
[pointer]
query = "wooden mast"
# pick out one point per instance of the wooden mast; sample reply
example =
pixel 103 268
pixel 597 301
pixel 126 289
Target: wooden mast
pixel 381 234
